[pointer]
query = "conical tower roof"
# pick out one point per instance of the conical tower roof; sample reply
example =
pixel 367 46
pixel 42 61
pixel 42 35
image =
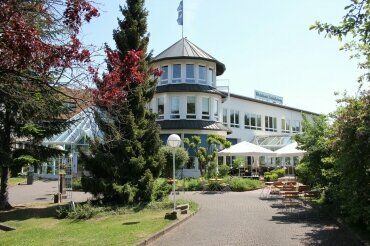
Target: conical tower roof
pixel 186 49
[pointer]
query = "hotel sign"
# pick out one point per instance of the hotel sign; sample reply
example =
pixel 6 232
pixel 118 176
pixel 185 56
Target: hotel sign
pixel 260 95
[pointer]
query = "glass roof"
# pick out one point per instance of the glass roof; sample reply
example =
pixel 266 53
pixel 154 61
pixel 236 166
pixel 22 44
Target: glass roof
pixel 83 126
pixel 273 142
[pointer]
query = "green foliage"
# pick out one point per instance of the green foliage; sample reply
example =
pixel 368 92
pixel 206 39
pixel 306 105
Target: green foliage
pixel 238 162
pixel 274 174
pixel 303 173
pixel 268 176
pixel 240 184
pixel 81 212
pixel 161 189
pixel 193 184
pixel 76 184
pixel 212 170
pixel 351 154
pixel 223 170
pixel 356 24
pixel 125 164
pixel 315 140
pixel 181 157
pixel 124 194
pixel 206 154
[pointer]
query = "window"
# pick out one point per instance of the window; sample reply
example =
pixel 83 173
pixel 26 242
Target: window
pixel 285 126
pixel 210 76
pixel 253 121
pixel 234 118
pixel 224 116
pixel 202 74
pixel 296 126
pixel 160 107
pixel 176 73
pixel 190 107
pixel 175 107
pixel 215 110
pixel 164 76
pixel 270 124
pixel 190 75
pixel 205 108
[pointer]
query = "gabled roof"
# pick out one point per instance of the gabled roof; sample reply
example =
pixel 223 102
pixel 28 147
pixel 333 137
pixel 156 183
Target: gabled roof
pixel 186 49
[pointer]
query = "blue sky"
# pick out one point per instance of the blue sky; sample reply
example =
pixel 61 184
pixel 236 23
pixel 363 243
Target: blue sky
pixel 265 45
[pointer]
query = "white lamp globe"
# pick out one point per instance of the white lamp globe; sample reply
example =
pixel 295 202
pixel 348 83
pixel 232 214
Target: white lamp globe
pixel 174 141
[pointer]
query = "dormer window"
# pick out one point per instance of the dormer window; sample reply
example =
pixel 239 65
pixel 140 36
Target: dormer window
pixel 164 76
pixel 190 74
pixel 202 74
pixel 176 73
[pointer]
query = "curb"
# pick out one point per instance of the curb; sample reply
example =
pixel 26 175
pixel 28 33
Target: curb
pixel 164 231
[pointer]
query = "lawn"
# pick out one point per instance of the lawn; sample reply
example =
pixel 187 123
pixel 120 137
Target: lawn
pixel 16 180
pixel 39 226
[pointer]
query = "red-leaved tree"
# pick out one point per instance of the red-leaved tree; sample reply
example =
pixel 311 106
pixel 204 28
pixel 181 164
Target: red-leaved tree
pixel 40 51
pixel 113 89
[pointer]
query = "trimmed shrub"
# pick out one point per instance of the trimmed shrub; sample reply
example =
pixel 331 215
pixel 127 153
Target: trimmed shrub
pixel 212 170
pixel 240 184
pixel 274 174
pixel 193 184
pixel 223 170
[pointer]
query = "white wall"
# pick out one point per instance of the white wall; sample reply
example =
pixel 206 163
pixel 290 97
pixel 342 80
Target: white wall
pixel 245 106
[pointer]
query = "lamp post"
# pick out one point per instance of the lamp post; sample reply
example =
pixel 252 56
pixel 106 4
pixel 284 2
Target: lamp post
pixel 174 142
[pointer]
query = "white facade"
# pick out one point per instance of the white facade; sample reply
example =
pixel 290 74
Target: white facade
pixel 286 121
pixel 187 102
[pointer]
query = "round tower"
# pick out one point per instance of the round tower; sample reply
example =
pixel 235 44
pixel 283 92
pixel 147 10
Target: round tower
pixel 187 101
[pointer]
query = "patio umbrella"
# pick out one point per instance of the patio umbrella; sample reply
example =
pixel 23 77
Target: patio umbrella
pixel 246 149
pixel 289 151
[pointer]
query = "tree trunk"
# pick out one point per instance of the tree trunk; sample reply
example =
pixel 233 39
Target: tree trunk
pixel 4 198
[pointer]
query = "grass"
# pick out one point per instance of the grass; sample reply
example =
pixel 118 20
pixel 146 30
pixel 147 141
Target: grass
pixel 16 180
pixel 38 225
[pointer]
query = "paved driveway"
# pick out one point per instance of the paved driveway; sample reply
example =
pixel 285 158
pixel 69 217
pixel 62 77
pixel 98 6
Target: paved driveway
pixel 243 219
pixel 40 191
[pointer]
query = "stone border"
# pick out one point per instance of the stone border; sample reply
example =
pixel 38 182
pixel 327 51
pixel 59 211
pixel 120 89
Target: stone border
pixel 164 231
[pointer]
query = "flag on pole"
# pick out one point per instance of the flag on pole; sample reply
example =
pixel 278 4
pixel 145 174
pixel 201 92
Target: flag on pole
pixel 180 13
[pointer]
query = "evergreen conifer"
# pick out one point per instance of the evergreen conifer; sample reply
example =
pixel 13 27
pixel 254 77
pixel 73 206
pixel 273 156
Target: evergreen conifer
pixel 123 165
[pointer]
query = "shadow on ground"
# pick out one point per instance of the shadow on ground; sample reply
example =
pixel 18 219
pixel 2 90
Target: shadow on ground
pixel 325 230
pixel 21 213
